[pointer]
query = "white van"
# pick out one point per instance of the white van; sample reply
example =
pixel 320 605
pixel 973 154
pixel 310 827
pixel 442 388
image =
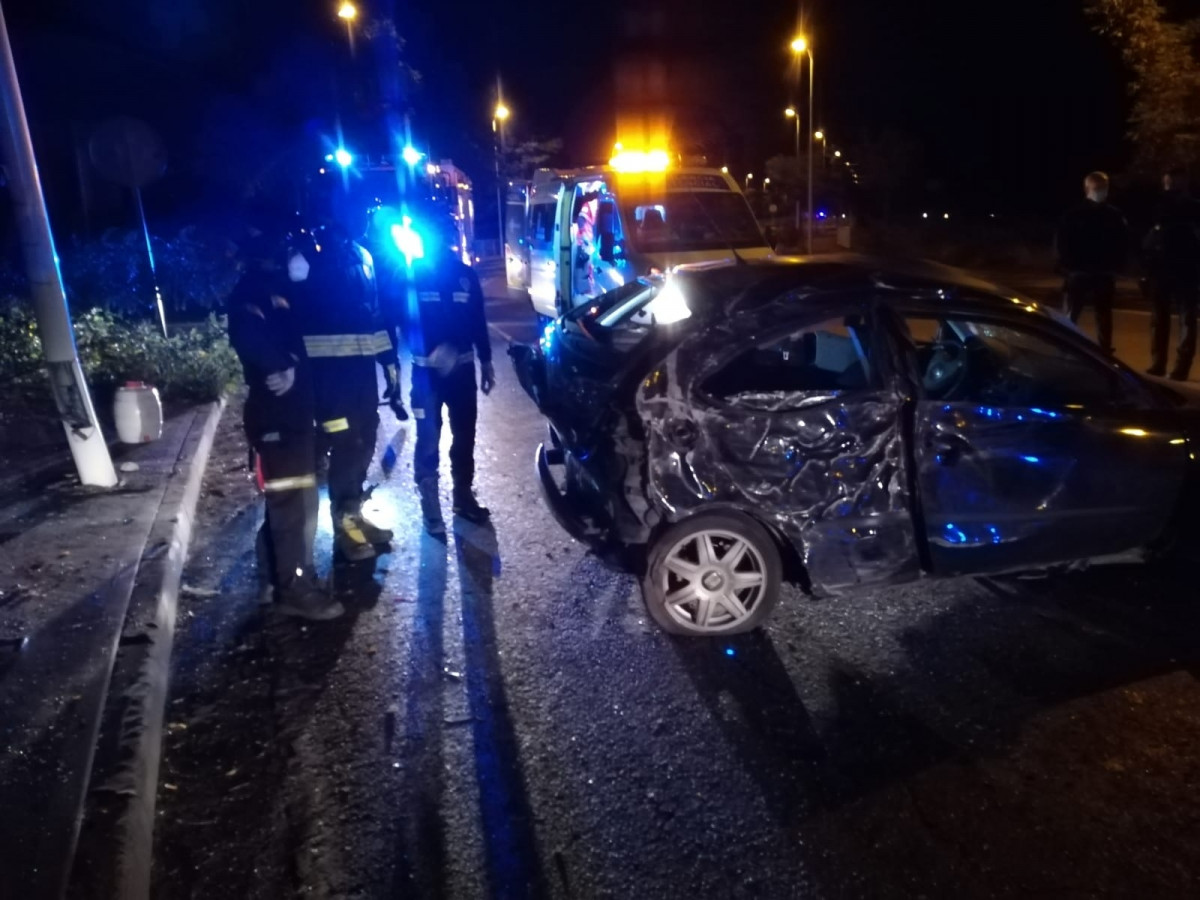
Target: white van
pixel 588 231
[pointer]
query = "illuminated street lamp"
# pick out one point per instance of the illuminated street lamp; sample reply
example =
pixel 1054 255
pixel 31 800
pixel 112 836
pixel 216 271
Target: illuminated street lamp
pixel 500 115
pixel 801 48
pixel 348 12
pixel 749 178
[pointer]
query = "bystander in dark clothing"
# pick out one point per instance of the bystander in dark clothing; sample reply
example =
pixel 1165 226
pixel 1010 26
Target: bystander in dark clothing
pixel 1093 245
pixel 279 426
pixel 1172 265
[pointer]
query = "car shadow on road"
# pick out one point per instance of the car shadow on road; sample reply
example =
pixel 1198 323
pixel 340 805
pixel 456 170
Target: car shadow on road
pixel 968 680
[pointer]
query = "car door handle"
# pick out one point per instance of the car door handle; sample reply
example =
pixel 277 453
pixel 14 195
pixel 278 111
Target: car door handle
pixel 949 447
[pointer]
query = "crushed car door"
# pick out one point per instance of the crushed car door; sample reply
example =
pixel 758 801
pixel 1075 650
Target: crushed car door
pixel 798 425
pixel 1030 450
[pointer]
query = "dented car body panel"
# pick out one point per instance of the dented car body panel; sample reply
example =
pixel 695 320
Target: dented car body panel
pixel 882 422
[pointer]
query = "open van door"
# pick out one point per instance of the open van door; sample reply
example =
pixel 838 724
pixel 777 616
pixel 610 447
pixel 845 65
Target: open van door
pixel 593 258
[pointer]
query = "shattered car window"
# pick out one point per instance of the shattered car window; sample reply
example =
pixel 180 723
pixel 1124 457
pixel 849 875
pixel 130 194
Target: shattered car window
pixel 828 357
pixel 986 362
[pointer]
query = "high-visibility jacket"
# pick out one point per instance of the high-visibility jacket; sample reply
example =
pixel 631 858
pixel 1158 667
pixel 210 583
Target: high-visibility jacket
pixel 264 332
pixel 344 334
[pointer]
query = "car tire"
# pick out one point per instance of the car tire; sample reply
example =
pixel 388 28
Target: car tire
pixel 713 574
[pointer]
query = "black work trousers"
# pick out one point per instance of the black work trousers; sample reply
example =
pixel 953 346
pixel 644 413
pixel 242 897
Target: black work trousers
pixel 456 392
pixel 285 540
pixel 1173 292
pixel 1095 289
pixel 351 443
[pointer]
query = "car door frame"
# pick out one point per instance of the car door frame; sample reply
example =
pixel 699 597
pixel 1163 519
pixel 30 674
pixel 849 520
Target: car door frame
pixel 838 550
pixel 1145 415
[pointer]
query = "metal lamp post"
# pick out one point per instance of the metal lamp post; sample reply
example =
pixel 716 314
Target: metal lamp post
pixel 499 117
pixel 801 47
pixel 792 113
pixel 88 448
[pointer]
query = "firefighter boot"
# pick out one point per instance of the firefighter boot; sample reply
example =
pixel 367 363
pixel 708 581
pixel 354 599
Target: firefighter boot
pixel 350 541
pixel 266 590
pixel 467 506
pixel 431 507
pixel 306 598
pixel 372 532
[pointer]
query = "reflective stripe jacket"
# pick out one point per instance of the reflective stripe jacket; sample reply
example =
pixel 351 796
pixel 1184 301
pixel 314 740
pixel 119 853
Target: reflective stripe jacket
pixel 264 333
pixel 343 330
pixel 439 304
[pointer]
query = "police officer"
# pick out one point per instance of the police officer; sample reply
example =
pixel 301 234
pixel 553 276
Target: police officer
pixel 1172 261
pixel 345 339
pixel 445 328
pixel 1092 243
pixel 279 426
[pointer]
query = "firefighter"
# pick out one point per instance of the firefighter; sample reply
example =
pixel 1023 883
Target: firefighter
pixel 345 339
pixel 445 328
pixel 279 427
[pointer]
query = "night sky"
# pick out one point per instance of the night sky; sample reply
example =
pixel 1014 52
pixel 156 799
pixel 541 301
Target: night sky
pixel 1010 103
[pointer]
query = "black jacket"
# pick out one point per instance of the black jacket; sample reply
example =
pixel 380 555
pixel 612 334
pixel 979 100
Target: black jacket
pixel 264 333
pixel 338 311
pixel 1092 237
pixel 1173 244
pixel 439 302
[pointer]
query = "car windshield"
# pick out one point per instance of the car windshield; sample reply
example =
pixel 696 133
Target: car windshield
pixel 681 221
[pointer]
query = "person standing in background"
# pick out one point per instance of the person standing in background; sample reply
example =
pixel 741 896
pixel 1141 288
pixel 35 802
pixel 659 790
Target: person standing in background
pixel 1092 243
pixel 1171 258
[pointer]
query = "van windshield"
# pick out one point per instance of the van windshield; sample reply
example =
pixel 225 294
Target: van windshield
pixel 684 221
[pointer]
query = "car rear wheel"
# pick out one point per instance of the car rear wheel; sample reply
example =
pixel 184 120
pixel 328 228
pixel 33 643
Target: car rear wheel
pixel 711 575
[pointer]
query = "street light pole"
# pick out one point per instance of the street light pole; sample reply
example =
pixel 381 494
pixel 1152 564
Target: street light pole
pixel 348 12
pixel 801 48
pixel 499 116
pixel 67 382
pixel 811 119
pixel 794 114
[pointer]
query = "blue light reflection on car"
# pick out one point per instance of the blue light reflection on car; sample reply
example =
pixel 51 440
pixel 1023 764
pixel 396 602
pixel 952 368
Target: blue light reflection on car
pixel 971 535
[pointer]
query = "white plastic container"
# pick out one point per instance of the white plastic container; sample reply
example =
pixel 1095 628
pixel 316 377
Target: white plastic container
pixel 138 412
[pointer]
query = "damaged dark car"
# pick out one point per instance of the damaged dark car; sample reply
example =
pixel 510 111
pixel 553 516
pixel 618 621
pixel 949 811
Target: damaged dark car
pixel 845 423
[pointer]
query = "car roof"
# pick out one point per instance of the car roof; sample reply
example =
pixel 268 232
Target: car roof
pixel 750 283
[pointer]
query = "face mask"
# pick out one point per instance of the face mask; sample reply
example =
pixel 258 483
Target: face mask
pixel 297 267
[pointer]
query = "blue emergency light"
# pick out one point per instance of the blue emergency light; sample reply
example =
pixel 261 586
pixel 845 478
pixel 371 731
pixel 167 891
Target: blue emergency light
pixel 408 240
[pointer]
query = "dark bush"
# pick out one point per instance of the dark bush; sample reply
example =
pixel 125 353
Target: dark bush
pixel 196 272
pixel 195 364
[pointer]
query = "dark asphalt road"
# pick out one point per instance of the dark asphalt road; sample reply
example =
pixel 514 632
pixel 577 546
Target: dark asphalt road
pixel 496 717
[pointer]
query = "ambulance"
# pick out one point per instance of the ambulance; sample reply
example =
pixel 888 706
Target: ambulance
pixel 580 233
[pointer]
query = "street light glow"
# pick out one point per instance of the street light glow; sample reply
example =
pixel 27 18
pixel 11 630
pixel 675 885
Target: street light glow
pixel 799 44
pixel 819 135
pixel 343 157
pixel 347 11
pixel 790 112
pixel 411 155
pixel 724 170
pixel 502 112
pixel 837 154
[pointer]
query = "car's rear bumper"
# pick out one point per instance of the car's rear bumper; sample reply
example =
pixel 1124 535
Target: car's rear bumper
pixel 566 513
pixel 576 518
